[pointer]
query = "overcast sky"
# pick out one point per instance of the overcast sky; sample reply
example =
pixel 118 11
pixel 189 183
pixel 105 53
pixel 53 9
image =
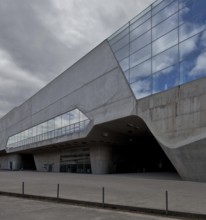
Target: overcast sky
pixel 39 39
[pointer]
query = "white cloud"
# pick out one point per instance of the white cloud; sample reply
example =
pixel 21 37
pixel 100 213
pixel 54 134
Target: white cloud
pixel 142 88
pixel 40 39
pixel 200 65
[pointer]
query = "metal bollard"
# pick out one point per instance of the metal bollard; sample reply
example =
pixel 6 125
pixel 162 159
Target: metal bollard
pixel 103 197
pixel 57 191
pixel 22 188
pixel 166 201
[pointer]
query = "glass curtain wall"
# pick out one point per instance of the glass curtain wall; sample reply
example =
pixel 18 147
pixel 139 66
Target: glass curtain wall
pixel 68 123
pixel 163 47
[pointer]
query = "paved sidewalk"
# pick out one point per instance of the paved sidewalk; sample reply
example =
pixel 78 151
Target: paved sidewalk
pixel 132 190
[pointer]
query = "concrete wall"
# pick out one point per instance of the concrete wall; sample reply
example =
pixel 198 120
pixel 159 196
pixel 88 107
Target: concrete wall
pixel 95 85
pixel 101 159
pixel 177 120
pixel 5 161
pixel 44 160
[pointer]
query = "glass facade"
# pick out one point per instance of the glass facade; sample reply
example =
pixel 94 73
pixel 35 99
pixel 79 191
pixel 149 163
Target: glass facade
pixel 163 47
pixel 68 123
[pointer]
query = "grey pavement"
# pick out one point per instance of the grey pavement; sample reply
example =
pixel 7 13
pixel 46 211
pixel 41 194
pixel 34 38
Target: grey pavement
pixel 141 190
pixel 15 208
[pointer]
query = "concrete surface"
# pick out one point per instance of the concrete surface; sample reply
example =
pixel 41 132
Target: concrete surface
pixel 37 210
pixel 95 85
pixel 177 120
pixel 125 189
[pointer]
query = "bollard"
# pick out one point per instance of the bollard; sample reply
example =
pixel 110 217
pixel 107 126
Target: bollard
pixel 57 191
pixel 166 201
pixel 103 197
pixel 22 188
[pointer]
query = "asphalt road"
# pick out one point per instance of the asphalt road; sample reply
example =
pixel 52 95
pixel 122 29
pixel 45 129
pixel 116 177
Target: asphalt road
pixel 23 209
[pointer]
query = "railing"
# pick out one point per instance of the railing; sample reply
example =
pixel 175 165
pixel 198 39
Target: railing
pixel 67 130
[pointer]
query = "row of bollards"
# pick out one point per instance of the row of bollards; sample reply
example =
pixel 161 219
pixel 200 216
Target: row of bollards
pixel 103 197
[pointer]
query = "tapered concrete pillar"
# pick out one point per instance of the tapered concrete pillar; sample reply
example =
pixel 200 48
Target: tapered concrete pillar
pixel 101 159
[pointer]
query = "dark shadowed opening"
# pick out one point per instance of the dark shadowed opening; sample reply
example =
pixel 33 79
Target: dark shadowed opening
pixel 134 148
pixel 28 162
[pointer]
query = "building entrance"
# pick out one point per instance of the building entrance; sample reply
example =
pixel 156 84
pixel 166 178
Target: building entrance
pixel 76 161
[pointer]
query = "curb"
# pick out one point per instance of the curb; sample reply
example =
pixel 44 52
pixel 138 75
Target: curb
pixel 150 211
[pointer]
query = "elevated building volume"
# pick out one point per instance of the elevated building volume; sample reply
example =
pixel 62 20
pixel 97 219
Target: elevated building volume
pixel 135 103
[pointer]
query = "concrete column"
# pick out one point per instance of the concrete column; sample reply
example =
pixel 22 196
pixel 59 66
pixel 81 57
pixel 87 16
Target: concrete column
pixel 14 162
pixel 44 160
pixel 101 159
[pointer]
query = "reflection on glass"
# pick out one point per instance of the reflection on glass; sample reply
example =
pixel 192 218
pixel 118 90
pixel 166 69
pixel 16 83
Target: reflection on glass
pixel 143 70
pixel 140 42
pixel 66 119
pixel 120 34
pixel 51 124
pixel 185 3
pixel 189 47
pixel 165 59
pixel 74 116
pixel 159 5
pixel 164 27
pixel 140 30
pixel 165 13
pixel 124 64
pixel 58 122
pixel 121 43
pixel 142 87
pixel 140 56
pixel 189 29
pixel 127 75
pixel 69 122
pixel 165 42
pixel 122 53
pixel 193 68
pixel 138 22
pixel 193 46
pixel 174 40
pixel 190 10
pixel 166 79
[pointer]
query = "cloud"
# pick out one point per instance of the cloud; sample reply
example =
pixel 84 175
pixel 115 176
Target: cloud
pixel 40 39
pixel 200 66
pixel 142 88
pixel 15 83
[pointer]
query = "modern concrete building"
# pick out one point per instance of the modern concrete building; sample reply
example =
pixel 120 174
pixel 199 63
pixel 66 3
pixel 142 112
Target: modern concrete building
pixel 135 103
